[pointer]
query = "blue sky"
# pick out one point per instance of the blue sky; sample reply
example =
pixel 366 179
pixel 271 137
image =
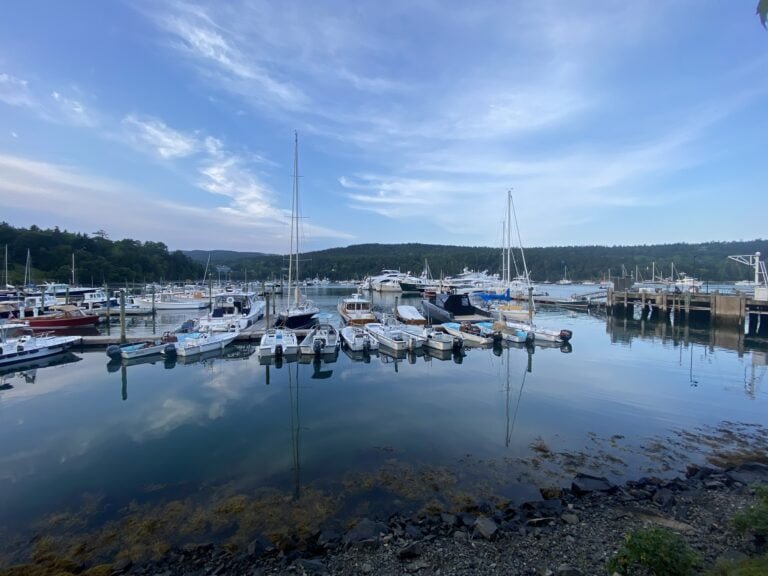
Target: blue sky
pixel 613 122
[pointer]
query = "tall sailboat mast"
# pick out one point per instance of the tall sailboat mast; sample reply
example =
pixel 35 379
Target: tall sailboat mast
pixel 519 239
pixel 293 258
pixel 296 212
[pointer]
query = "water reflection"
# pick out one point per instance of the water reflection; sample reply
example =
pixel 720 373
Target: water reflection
pixel 528 368
pixel 28 370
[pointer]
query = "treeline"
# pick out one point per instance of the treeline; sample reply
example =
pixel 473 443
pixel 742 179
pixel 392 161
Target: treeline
pixel 707 261
pixel 98 260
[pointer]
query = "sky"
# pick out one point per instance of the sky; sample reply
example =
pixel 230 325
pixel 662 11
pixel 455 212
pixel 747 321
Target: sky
pixel 612 122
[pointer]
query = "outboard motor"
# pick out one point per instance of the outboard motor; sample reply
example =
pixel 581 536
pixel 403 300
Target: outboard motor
pixel 279 350
pixel 565 335
pixel 366 345
pixel 530 337
pixel 318 345
pixel 113 351
pixel 458 343
pixel 170 349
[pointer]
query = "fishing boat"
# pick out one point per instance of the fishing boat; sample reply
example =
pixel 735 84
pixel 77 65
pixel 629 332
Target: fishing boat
pixel 355 309
pixel 199 342
pixel 435 339
pixel 321 339
pixel 26 346
pixel 357 339
pixel 514 333
pixel 233 310
pixel 144 348
pixel 542 334
pixel 299 312
pixel 470 333
pixel 278 343
pixel 393 337
pixel 66 316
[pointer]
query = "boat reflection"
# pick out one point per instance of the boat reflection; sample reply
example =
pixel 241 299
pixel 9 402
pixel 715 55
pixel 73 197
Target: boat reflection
pixel 361 355
pixel 26 368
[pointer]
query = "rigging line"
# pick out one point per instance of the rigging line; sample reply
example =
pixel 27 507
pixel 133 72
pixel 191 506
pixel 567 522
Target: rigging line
pixel 517 406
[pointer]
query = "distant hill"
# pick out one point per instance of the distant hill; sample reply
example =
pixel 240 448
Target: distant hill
pixel 707 261
pixel 220 256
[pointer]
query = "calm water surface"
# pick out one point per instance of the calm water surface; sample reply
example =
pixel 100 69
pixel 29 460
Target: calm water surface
pixel 225 446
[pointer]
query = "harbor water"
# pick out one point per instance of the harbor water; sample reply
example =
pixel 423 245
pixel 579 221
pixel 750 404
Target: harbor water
pixel 132 458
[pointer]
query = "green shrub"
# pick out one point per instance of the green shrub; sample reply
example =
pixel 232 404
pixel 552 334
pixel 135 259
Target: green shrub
pixel 653 551
pixel 748 567
pixel 754 520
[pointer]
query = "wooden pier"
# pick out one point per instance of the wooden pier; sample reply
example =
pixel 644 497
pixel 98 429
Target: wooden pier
pixel 713 307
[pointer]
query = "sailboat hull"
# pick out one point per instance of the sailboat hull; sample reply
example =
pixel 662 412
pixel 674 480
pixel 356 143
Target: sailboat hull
pixel 296 321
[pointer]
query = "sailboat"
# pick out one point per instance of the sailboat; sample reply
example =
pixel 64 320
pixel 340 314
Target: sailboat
pixel 565 280
pixel 299 312
pixel 517 287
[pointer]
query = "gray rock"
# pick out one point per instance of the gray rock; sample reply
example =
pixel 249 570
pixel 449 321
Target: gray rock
pixel 664 498
pixel 748 473
pixel 584 484
pixel 311 566
pixel 365 532
pixel 411 551
pixel 448 519
pixel 260 545
pixel 413 532
pixel 565 570
pixel 570 518
pixel 329 537
pixel 485 527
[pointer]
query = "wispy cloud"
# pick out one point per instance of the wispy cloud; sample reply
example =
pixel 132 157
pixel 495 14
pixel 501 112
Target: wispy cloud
pixel 165 142
pixel 71 111
pixel 15 91
pixel 222 55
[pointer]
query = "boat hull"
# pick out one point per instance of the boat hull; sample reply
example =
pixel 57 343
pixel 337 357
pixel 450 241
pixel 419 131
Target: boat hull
pixel 20 351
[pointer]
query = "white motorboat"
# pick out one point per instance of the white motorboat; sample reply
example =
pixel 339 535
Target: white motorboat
pixel 277 343
pixel 238 310
pixel 174 301
pixel 355 309
pixel 321 339
pixel 143 348
pixel 199 342
pixel 357 339
pixel 393 337
pixel 543 334
pixel 408 314
pixel 470 333
pixel 435 339
pixel 514 333
pixel 27 346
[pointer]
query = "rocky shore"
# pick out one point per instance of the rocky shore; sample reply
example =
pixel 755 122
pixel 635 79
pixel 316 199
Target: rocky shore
pixel 568 532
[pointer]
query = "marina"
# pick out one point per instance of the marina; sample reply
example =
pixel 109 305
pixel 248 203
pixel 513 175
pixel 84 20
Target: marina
pixel 473 422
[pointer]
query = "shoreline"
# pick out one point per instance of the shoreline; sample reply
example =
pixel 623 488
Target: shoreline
pixel 568 532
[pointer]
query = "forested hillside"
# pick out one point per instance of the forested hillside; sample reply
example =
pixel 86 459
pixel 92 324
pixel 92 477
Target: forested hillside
pixel 99 259
pixel 707 261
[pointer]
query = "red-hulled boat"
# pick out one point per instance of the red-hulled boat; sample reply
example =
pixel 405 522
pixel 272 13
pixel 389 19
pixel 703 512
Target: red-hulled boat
pixel 67 316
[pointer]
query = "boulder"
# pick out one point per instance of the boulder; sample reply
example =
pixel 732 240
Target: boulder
pixel 585 484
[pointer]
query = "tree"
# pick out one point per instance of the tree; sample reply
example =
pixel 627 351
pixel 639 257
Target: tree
pixel 762 11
